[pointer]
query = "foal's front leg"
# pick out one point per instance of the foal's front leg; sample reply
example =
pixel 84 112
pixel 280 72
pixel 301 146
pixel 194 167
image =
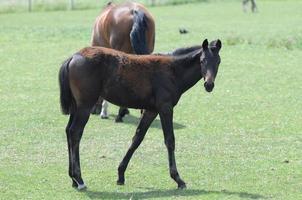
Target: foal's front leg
pixel 166 117
pixel 145 122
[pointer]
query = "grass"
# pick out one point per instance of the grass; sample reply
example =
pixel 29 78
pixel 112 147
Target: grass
pixel 243 141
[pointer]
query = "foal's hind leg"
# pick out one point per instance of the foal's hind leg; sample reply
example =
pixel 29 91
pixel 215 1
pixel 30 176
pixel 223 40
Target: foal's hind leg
pixel 144 124
pixel 74 184
pixel 79 121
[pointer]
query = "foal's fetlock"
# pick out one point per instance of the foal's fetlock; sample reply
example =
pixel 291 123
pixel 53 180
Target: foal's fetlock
pixel 175 176
pixel 74 184
pixel 121 176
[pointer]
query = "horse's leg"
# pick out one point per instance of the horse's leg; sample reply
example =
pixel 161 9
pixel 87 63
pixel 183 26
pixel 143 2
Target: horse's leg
pixel 121 113
pixel 104 112
pixel 145 122
pixel 79 121
pixel 97 107
pixel 254 6
pixel 166 117
pixel 244 5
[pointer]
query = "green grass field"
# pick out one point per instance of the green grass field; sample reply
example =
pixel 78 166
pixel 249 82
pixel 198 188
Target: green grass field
pixel 243 141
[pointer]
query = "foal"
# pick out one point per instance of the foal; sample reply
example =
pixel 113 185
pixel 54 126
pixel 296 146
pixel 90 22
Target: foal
pixel 154 83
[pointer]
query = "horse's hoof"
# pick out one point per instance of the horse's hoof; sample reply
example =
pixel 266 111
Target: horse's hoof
pixel 127 112
pixel 182 186
pixel 118 120
pixel 104 117
pixel 95 111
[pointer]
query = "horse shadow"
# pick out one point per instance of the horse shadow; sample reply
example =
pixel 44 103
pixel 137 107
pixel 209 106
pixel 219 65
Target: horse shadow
pixel 134 120
pixel 152 194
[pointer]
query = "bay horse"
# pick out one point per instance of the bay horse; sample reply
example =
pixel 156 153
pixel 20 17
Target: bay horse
pixel 153 83
pixel 127 27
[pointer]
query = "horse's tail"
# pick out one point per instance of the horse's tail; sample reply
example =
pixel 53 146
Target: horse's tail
pixel 138 32
pixel 66 98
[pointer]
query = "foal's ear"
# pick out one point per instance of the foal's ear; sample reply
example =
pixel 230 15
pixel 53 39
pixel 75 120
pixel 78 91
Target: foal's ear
pixel 205 44
pixel 218 44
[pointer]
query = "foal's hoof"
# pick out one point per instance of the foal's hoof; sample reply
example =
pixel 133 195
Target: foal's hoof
pixel 120 182
pixel 82 187
pixel 182 186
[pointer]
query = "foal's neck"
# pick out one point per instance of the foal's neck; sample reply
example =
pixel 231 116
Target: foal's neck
pixel 188 70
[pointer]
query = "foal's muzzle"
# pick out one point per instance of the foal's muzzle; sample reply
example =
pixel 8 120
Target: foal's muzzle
pixel 209 86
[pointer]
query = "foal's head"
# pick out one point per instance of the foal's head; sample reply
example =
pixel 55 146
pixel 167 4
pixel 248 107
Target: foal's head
pixel 209 62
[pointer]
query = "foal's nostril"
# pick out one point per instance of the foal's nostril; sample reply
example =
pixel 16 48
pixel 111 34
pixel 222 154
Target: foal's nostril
pixel 209 86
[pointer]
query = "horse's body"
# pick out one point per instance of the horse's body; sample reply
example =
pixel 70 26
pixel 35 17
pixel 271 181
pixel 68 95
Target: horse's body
pixel 127 27
pixel 253 5
pixel 151 82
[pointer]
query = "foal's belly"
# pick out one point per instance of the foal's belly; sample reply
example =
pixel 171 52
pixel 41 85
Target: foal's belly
pixel 132 102
pixel 122 93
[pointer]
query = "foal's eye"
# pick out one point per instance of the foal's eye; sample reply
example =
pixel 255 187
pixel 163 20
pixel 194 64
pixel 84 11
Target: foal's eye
pixel 218 62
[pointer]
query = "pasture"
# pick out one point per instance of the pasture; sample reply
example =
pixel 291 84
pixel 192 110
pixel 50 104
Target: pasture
pixel 242 141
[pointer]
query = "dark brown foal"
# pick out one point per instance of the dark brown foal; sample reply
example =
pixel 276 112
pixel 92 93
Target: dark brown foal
pixel 154 83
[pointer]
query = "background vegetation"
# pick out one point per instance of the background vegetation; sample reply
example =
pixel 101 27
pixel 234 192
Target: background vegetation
pixel 243 141
pixel 50 5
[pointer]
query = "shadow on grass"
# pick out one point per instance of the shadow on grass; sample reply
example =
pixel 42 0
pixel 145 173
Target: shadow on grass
pixel 133 120
pixel 166 193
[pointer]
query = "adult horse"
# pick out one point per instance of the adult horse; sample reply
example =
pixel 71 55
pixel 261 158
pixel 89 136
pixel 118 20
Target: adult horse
pixel 154 83
pixel 253 5
pixel 127 27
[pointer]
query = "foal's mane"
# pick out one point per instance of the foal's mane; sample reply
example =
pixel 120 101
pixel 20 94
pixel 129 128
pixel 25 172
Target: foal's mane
pixel 180 51
pixel 185 50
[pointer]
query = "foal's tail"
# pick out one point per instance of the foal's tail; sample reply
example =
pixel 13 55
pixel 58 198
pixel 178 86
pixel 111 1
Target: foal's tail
pixel 138 32
pixel 66 98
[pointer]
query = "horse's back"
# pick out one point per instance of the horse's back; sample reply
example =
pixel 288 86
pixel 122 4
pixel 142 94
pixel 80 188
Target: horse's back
pixel 113 26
